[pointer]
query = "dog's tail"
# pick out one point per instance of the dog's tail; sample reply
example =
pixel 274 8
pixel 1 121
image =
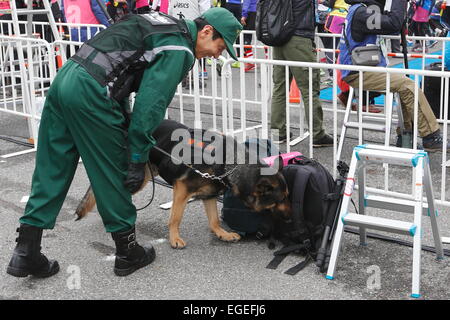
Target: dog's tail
pixel 86 204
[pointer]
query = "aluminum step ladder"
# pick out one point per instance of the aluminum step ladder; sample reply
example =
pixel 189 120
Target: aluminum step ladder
pixel 25 66
pixel 419 162
pixel 371 122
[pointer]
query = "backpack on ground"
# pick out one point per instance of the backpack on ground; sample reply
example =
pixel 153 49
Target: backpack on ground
pixel 275 23
pixel 315 198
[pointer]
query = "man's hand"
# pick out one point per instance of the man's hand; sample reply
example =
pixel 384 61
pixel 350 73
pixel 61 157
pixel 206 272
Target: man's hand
pixel 135 177
pixel 243 21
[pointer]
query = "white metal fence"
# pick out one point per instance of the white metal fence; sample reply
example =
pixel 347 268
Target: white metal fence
pixel 223 103
pixel 23 88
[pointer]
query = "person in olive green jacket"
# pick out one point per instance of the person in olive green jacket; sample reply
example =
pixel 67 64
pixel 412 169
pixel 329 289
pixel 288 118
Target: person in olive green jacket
pixel 86 114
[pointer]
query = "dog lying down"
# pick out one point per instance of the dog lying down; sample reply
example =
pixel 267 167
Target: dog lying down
pixel 257 185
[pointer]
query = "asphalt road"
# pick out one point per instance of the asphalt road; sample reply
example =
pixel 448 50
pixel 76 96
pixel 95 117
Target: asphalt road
pixel 207 268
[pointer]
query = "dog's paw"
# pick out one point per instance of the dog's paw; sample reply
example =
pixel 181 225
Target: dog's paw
pixel 227 236
pixel 177 243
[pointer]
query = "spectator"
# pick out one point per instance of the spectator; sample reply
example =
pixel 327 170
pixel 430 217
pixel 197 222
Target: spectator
pixel 248 20
pixel 84 12
pixel 420 21
pixel 191 9
pixel 300 47
pixel 235 7
pixel 334 23
pixel 117 9
pixel 188 9
pixel 359 33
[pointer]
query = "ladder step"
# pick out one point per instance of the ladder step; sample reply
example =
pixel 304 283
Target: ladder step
pixel 382 224
pixel 367 126
pixel 392 157
pixel 389 148
pixel 394 204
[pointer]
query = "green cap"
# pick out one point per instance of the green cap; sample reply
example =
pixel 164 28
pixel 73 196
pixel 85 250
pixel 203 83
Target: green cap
pixel 226 24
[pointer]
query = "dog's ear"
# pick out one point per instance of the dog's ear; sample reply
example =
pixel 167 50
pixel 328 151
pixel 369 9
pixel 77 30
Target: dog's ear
pixel 235 190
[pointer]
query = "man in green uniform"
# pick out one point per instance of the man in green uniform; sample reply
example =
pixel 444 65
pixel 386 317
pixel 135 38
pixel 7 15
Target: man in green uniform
pixel 85 115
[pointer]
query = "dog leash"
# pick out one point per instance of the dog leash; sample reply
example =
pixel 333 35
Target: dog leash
pixel 205 175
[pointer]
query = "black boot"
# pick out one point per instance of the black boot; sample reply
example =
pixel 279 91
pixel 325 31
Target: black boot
pixel 130 256
pixel 27 258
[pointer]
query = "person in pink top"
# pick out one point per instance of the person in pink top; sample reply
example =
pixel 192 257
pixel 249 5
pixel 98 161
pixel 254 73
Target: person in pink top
pixel 84 12
pixel 420 21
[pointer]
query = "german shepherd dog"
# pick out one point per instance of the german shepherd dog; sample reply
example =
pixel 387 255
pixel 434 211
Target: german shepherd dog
pixel 257 190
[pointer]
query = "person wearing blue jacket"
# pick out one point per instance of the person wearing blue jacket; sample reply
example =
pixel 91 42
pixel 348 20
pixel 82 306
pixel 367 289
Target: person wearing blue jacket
pixel 358 32
pixel 249 12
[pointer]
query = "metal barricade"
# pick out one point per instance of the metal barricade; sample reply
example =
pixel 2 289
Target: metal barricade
pixel 23 88
pixel 228 96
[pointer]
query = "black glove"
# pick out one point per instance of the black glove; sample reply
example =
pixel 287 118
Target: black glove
pixel 135 177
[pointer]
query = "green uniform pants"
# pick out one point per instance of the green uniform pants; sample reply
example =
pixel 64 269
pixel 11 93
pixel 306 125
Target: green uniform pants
pixel 375 81
pixel 79 119
pixel 296 49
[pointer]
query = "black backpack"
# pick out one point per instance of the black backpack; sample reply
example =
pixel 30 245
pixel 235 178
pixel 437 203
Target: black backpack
pixel 315 198
pixel 275 23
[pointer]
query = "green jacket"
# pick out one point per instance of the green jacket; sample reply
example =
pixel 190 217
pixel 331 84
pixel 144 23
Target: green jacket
pixel 164 54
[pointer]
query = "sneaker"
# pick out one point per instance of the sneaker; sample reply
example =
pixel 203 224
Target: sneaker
pixel 431 43
pixel 328 82
pixel 419 49
pixel 433 142
pixel 372 108
pixel 278 139
pixel 249 67
pixel 325 141
pixel 236 64
pixel 209 61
